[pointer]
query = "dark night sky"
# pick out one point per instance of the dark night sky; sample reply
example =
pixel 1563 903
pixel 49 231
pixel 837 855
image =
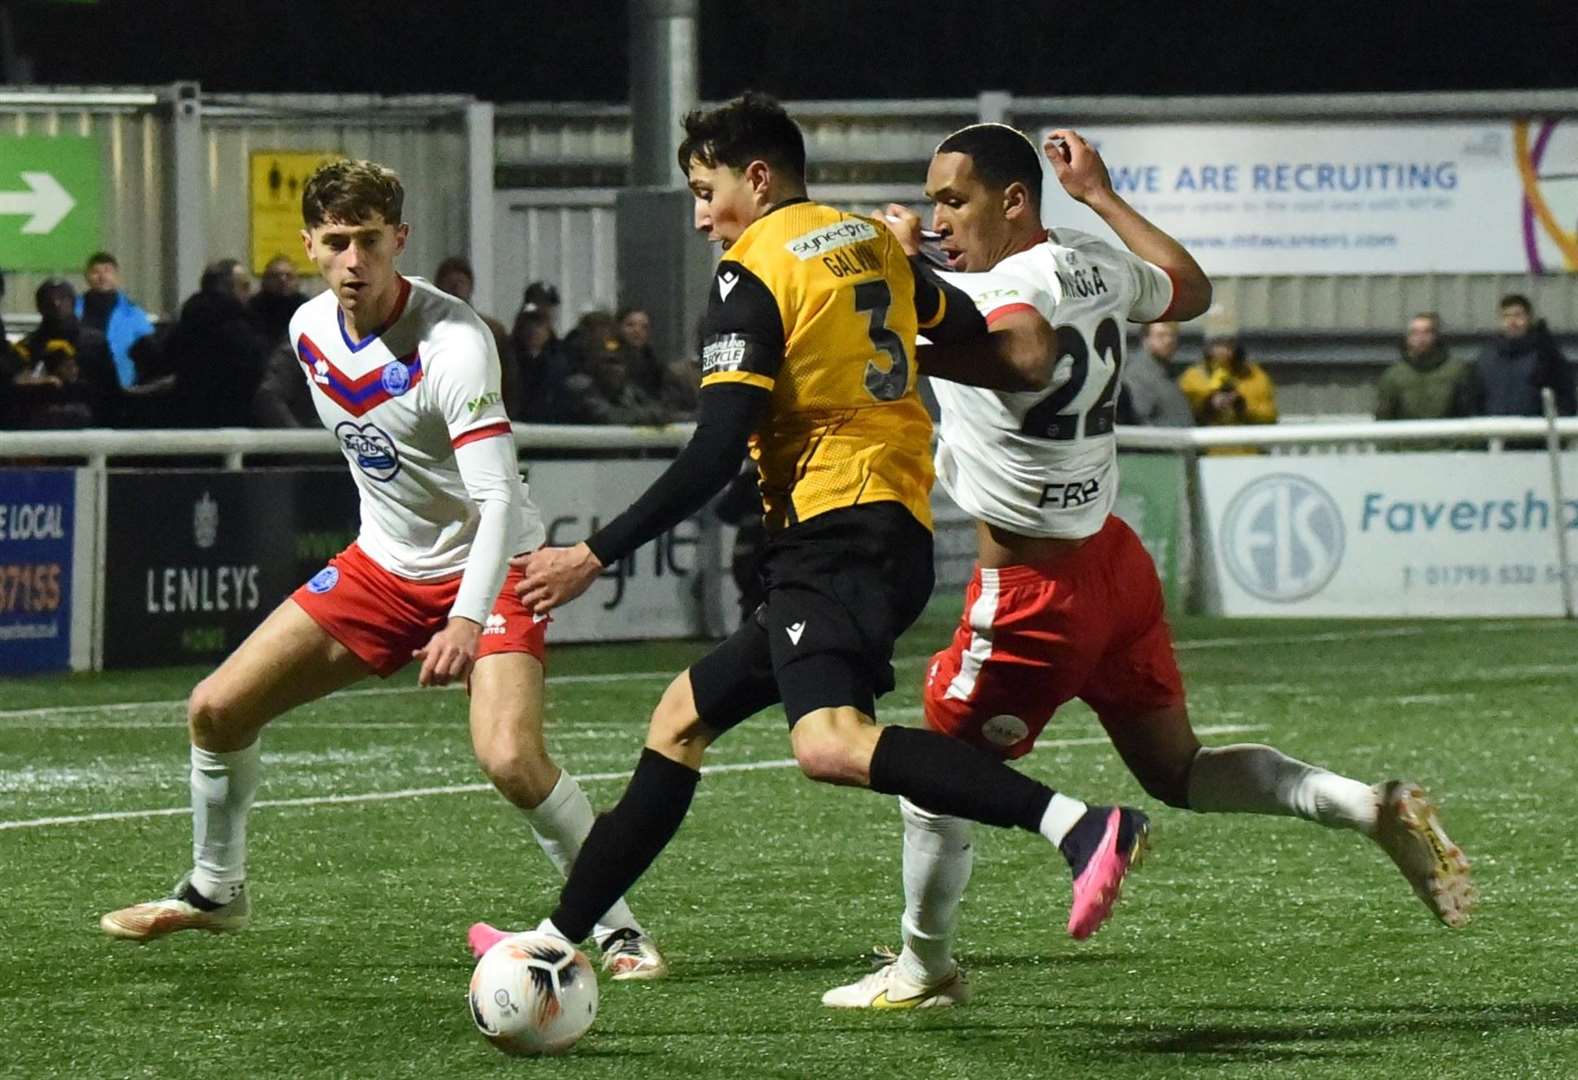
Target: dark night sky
pixel 560 51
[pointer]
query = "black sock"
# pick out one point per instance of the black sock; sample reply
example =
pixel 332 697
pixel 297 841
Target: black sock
pixel 190 894
pixel 624 842
pixel 947 776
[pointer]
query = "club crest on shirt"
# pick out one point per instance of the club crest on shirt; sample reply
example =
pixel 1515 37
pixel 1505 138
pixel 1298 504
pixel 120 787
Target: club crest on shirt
pixel 324 580
pixel 371 448
pixel 396 378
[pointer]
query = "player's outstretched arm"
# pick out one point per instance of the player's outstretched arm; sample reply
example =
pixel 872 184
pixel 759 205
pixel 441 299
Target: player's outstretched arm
pixel 1083 174
pixel 728 414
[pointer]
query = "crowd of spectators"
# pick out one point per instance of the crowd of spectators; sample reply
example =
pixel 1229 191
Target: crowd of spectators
pixel 96 359
pixel 1225 387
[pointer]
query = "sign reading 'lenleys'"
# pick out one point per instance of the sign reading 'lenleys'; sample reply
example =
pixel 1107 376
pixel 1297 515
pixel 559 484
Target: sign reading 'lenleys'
pixel 49 201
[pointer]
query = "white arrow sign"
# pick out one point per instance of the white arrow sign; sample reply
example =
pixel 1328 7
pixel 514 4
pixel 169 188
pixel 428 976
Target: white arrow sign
pixel 47 202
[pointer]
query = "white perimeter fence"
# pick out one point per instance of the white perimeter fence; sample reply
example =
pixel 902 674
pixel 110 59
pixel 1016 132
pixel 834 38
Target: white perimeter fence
pixel 113 554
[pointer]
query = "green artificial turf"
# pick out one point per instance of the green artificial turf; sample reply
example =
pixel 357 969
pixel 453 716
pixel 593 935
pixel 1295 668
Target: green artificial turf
pixel 1244 947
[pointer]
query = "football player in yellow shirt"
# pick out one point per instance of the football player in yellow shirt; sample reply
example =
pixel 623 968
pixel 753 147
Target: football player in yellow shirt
pixel 808 356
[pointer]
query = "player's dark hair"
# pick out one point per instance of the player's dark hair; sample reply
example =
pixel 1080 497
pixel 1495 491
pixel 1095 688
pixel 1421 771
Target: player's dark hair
pixel 1516 300
pixel 351 192
pixel 1002 156
pixel 752 127
pixel 99 258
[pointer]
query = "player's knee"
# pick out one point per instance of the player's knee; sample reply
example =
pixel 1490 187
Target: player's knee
pixel 212 719
pixel 676 731
pixel 519 766
pixel 828 748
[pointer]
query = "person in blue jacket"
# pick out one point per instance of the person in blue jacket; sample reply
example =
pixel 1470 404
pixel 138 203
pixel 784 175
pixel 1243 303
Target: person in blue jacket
pixel 114 314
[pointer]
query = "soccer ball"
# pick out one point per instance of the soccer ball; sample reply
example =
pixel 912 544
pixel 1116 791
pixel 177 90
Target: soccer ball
pixel 533 993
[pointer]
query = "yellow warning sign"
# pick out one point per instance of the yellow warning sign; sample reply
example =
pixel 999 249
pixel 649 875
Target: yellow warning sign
pixel 277 179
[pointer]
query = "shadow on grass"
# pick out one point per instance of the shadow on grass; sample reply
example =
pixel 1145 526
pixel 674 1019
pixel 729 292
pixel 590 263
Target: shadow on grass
pixel 1323 1026
pixel 852 967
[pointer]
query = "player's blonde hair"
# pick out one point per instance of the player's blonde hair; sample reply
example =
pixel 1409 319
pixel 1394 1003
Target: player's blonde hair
pixel 351 192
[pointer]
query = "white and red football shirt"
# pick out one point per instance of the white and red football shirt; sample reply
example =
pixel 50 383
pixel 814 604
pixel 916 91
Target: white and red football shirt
pixel 1045 463
pixel 401 401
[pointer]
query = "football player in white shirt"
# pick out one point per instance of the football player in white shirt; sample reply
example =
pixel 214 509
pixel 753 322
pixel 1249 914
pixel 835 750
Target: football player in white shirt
pixel 1065 602
pixel 407 378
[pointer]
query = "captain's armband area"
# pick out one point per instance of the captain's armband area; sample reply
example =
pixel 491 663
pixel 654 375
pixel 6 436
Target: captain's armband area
pixel 734 357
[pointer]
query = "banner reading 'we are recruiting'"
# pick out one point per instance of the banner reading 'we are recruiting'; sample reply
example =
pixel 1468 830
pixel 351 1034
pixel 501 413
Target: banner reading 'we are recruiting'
pixel 1398 198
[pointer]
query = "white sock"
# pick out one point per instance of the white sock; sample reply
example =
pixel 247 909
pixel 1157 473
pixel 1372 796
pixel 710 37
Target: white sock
pixel 223 786
pixel 1063 813
pixel 560 823
pixel 1253 779
pixel 938 857
pixel 547 927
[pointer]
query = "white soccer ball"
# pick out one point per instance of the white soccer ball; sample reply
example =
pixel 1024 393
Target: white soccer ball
pixel 533 993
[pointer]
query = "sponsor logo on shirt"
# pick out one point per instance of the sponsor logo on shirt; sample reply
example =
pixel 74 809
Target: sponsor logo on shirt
pixel 726 352
pixel 477 404
pixel 830 238
pixel 1069 495
pixel 371 448
pixel 324 580
pixel 727 280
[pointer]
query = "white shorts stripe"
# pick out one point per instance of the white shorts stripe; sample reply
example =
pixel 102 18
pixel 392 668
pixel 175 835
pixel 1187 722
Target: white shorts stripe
pixel 982 614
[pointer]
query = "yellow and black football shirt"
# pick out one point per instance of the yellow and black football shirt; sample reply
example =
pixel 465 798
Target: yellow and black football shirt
pixel 808 361
pixel 818 307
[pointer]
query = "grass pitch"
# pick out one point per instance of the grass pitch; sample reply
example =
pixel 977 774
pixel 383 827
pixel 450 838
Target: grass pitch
pixel 1245 947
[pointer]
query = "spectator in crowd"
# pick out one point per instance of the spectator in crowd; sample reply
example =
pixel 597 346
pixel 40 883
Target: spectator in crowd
pixel 543 298
pixel 542 366
pixel 673 384
pixel 1523 360
pixel 1226 388
pixel 1150 396
pixel 276 300
pixel 61 375
pixel 218 354
pixel 9 361
pixel 108 310
pixel 600 390
pixel 646 370
pixel 282 399
pixel 456 277
pixel 1426 383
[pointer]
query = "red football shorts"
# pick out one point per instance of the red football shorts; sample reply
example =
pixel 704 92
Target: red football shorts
pixel 1089 625
pixel 382 617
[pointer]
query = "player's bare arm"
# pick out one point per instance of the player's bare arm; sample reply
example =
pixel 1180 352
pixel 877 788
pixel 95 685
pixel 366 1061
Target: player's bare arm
pixel 1016 356
pixel 1083 174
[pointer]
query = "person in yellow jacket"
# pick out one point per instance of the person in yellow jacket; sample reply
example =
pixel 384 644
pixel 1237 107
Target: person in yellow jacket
pixel 1227 388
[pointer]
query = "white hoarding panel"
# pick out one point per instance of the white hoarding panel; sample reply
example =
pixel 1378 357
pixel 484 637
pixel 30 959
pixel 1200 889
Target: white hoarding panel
pixel 1385 198
pixel 1448 534
pixel 652 594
